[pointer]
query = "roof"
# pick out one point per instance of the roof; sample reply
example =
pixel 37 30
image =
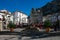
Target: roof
pixel 4 11
pixel 21 12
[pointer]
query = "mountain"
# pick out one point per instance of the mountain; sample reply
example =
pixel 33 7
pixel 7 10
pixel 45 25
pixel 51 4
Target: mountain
pixel 51 7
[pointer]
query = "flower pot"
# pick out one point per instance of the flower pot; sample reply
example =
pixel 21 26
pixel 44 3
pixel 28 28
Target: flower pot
pixel 48 29
pixel 11 29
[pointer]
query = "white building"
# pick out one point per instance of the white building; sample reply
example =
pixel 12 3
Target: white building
pixel 1 17
pixel 20 17
pixel 52 18
pixel 36 16
pixel 48 17
pixel 6 17
pixel 11 17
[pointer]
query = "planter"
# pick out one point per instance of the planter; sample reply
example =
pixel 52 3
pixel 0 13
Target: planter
pixel 11 26
pixel 48 29
pixel 47 25
pixel 11 29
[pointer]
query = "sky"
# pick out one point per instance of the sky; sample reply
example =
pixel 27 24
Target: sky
pixel 22 5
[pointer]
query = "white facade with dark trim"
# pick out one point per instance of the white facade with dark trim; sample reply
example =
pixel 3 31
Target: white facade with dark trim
pixel 20 17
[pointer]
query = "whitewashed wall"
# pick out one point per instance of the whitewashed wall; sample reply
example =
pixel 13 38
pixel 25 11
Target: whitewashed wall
pixel 20 17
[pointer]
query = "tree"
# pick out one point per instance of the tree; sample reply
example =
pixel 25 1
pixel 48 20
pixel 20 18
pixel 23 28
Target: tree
pixel 47 23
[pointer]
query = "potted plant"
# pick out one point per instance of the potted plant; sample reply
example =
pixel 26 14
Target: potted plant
pixel 11 26
pixel 47 25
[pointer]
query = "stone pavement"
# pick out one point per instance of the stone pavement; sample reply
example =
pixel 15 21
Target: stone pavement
pixel 16 29
pixel 18 37
pixel 9 37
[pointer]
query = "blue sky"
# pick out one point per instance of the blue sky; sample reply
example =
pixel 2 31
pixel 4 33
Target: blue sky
pixel 22 5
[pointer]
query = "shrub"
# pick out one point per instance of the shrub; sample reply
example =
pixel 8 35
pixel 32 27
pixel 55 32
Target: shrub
pixel 47 23
pixel 11 25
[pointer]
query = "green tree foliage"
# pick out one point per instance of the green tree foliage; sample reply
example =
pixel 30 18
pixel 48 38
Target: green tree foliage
pixel 47 23
pixel 11 25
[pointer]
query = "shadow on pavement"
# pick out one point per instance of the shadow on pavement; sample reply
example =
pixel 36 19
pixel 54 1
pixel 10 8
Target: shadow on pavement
pixel 35 35
pixel 32 35
pixel 9 33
